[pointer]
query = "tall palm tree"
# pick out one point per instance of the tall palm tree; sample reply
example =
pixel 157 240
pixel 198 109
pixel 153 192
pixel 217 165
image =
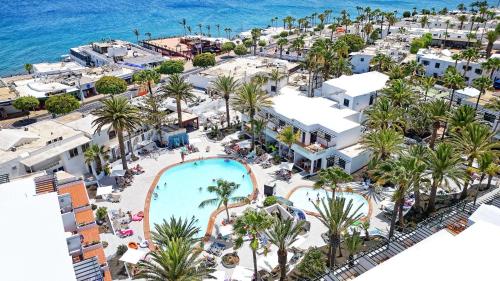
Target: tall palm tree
pixel 250 99
pixel 491 65
pixel 256 33
pixel 494 105
pixel 282 42
pixel 337 216
pixel 341 66
pixel 427 83
pixel 454 81
pixel 382 143
pixel 92 157
pixel 381 62
pixel 259 125
pixel 419 154
pixel 136 33
pixel 470 54
pixel 331 177
pixel 152 113
pixel 383 115
pixel 183 22
pixel 175 228
pixel 485 162
pixel 276 75
pixel 462 18
pixel 461 117
pixel 438 113
pixel 400 93
pixel 482 84
pixel 178 260
pixel 283 233
pixel 180 90
pixel 224 191
pixel 491 36
pixel 288 137
pixel 28 67
pixel 250 225
pixel 225 86
pixel 122 116
pixel 260 79
pixel 473 141
pixel 147 77
pixel 424 21
pixel 444 166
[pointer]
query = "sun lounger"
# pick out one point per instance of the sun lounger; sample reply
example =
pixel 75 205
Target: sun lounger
pixel 122 233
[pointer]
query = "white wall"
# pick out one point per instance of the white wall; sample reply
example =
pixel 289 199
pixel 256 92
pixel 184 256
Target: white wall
pixel 361 62
pixel 348 137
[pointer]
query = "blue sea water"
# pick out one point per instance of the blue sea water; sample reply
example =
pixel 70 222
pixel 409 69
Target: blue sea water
pixel 34 31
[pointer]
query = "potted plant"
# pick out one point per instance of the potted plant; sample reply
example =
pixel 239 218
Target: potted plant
pixel 230 260
pixel 101 214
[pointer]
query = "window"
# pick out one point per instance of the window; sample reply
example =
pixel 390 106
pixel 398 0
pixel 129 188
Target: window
pixel 478 71
pixel 425 62
pixel 328 138
pixel 437 65
pixel 459 101
pixel 346 102
pixel 273 88
pixel 73 152
pixel 85 147
pixel 372 98
pixel 489 117
pixel 111 135
pixel 362 59
pixel 341 163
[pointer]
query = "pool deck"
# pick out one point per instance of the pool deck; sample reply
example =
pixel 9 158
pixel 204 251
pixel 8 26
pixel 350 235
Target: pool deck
pixel 134 197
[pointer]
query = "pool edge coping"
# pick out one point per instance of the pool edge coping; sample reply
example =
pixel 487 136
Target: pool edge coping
pixel 364 218
pixel 214 214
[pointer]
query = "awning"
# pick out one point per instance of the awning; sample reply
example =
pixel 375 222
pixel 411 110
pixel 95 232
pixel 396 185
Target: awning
pixel 286 166
pixel 133 256
pixel 245 144
pixel 57 149
pixel 232 137
pixel 103 190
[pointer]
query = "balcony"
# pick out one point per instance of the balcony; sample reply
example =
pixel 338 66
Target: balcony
pixel 74 245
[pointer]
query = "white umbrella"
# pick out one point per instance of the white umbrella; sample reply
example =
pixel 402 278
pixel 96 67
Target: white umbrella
pixel 269 262
pixel 133 256
pixel 241 273
pixel 245 144
pixel 229 138
pixel 219 276
pixel 286 166
pixel 103 190
pixel 117 173
pixel 226 230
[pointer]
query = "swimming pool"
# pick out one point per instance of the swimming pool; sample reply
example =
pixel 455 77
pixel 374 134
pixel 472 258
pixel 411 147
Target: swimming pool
pixel 183 187
pixel 300 198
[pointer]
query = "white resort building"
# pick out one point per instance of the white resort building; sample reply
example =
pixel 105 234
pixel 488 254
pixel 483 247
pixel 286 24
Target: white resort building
pixel 328 134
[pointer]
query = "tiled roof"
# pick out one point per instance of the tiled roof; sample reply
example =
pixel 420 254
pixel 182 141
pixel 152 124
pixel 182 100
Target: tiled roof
pixel 77 191
pixel 84 217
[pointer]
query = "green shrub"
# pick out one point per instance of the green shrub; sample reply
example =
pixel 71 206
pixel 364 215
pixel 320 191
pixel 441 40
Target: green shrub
pixel 171 67
pixel 270 200
pixel 26 103
pixel 262 43
pixel 355 42
pixel 110 85
pixel 121 250
pixel 406 14
pixel 101 213
pixel 227 47
pixel 284 33
pixel 313 264
pixel 204 60
pixel 61 104
pixel 240 50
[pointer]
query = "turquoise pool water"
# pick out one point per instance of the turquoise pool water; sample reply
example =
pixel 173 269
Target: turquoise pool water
pixel 301 196
pixel 183 187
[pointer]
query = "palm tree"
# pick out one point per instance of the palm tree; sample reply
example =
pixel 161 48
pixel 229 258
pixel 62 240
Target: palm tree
pixel 494 105
pixel 391 21
pixel 250 99
pixel 491 65
pixel 454 81
pixel 148 34
pixel 485 162
pixel 225 86
pixel 444 165
pixel 283 233
pixel 276 75
pixel 331 177
pixel 122 116
pixel 383 115
pixel 288 137
pixel 462 19
pixel 382 62
pixel 175 228
pixel 298 44
pixel 473 141
pixel 180 90
pixel 400 93
pixel 491 36
pixel 337 216
pixel 382 143
pixel 147 77
pixel 427 83
pixel 92 157
pixel 341 66
pixel 419 154
pixel 461 117
pixel 492 170
pixel 259 125
pixel 224 194
pixel 249 226
pixel 183 22
pixel 137 34
pixel 470 54
pixel 482 84
pixel 456 57
pixel 424 21
pixel 438 112
pixel 282 42
pixel 178 260
pixel 152 113
pixel 28 67
pixel 353 243
pixel 256 33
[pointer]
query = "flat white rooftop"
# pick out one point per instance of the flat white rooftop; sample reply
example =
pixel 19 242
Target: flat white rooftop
pixel 247 67
pixel 359 84
pixel 34 242
pixel 313 111
pixel 56 67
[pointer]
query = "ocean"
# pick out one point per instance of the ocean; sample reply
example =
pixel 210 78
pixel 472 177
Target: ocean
pixel 33 31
